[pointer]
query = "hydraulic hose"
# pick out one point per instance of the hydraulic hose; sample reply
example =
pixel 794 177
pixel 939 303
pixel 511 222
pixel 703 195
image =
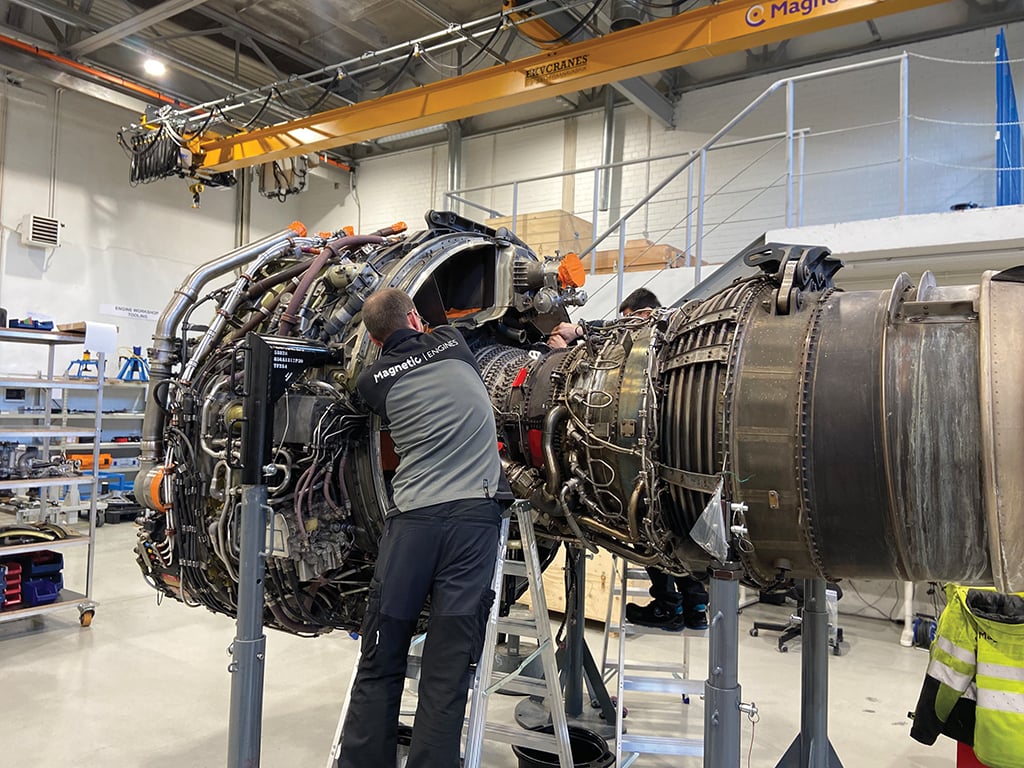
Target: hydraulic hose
pixel 335 248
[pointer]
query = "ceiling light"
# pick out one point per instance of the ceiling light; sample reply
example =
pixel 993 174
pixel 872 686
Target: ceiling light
pixel 154 67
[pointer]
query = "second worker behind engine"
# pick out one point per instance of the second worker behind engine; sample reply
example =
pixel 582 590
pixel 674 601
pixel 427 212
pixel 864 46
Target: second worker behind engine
pixel 441 540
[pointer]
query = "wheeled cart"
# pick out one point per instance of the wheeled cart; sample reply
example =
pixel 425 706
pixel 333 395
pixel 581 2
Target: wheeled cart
pixel 35 530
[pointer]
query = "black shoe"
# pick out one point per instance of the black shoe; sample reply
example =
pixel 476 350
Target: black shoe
pixel 696 617
pixel 654 614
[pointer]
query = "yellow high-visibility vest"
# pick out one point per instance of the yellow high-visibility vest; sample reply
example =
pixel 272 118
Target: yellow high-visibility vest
pixel 978 654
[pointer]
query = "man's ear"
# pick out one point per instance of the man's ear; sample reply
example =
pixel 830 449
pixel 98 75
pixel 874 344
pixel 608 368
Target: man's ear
pixel 375 341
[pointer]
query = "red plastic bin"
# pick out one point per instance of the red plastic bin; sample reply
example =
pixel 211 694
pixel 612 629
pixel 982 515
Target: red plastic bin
pixel 12 593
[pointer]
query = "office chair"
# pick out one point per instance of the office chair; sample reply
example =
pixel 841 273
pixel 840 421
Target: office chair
pixel 792 628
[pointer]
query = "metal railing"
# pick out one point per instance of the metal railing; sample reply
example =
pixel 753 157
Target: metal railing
pixel 693 228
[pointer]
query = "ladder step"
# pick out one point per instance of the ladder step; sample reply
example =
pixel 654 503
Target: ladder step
pixel 514 568
pixel 637 629
pixel 665 676
pixel 513 734
pixel 521 627
pixel 662 685
pixel 662 745
pixel 616 591
pixel 529 686
pixel 652 666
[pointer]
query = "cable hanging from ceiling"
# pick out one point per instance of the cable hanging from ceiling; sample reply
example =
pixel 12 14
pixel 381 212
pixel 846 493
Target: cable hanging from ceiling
pixel 154 155
pixel 164 144
pixel 484 48
pixel 329 91
pixel 565 36
pixel 433 43
pixel 397 76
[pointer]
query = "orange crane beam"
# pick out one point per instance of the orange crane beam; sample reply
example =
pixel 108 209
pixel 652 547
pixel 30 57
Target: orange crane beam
pixel 729 27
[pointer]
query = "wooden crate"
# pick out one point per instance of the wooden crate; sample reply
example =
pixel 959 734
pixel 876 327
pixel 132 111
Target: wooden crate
pixel 599 583
pixel 549 231
pixel 640 256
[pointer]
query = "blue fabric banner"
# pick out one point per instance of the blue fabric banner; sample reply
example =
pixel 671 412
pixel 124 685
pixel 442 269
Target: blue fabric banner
pixel 1009 173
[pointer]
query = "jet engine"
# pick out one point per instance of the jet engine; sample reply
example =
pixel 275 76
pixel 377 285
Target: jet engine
pixel 813 432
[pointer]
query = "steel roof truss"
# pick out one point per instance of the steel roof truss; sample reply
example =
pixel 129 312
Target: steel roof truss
pixel 137 23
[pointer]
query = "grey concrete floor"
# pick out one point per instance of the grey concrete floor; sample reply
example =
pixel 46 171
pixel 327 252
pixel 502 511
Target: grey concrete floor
pixel 147 685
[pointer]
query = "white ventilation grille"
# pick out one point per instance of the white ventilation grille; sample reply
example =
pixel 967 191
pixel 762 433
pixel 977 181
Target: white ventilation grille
pixel 40 230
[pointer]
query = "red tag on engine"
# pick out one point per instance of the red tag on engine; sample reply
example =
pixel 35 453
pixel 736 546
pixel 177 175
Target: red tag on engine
pixel 536 453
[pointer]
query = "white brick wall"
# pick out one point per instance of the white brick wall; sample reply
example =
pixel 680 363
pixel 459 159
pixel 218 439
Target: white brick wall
pixel 120 245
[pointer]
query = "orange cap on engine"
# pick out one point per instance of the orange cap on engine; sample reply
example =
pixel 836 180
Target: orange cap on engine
pixel 396 228
pixel 156 498
pixel 571 273
pixel 298 228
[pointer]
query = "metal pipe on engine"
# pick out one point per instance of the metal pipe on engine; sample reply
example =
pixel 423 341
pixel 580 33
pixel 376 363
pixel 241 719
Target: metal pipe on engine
pixel 613 544
pixel 230 304
pixel 554 474
pixel 633 510
pixel 163 354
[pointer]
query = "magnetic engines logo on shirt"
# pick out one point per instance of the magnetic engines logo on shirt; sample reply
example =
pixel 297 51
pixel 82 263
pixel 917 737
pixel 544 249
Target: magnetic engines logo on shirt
pixel 553 70
pixel 759 13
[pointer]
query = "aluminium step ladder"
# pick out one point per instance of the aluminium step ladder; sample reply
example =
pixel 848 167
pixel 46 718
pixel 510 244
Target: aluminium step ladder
pixel 653 677
pixel 537 626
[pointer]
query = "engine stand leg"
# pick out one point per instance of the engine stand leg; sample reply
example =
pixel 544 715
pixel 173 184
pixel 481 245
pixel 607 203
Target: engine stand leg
pixel 575 641
pixel 577 668
pixel 249 649
pixel 811 748
pixel 722 688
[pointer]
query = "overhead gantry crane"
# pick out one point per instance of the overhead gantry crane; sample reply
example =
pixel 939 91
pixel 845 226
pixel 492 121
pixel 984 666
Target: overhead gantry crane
pixel 716 30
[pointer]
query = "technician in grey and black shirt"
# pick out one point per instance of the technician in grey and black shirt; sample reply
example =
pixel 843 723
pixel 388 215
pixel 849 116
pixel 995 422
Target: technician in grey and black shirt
pixel 441 541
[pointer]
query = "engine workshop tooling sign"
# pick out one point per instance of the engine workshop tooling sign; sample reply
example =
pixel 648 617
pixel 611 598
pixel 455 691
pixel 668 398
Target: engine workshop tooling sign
pixel 125 310
pixel 557 69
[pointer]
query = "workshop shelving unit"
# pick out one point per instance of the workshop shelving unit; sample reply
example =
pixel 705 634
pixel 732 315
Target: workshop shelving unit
pixel 120 436
pixel 48 430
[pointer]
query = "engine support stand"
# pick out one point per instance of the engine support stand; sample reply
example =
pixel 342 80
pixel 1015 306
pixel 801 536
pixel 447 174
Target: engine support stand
pixel 269 364
pixel 248 650
pixel 811 747
pixel 577 668
pixel 722 703
pixel 580 666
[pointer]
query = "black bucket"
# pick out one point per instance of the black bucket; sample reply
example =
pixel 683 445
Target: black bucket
pixel 589 750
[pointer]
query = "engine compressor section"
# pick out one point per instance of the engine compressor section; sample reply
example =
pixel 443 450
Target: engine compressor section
pixel 868 434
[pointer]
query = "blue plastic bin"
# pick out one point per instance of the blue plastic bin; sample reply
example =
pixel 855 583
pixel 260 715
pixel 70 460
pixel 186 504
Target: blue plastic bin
pixel 44 563
pixel 39 591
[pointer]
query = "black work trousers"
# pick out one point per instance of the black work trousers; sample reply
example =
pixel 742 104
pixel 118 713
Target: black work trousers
pixel 674 591
pixel 448 552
